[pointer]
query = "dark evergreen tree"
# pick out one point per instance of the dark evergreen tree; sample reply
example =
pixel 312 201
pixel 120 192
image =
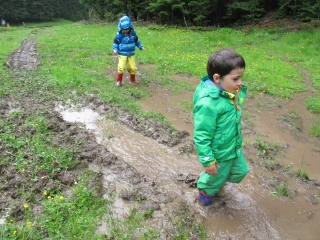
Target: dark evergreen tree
pixel 306 10
pixel 245 11
pixel 177 12
pixel 71 10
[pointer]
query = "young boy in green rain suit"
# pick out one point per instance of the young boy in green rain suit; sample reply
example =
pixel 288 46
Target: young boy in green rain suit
pixel 218 102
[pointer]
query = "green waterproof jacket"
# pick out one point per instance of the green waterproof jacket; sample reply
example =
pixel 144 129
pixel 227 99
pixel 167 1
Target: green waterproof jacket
pixel 217 122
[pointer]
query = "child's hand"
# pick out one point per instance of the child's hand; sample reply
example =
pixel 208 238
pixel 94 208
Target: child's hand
pixel 212 170
pixel 143 49
pixel 115 52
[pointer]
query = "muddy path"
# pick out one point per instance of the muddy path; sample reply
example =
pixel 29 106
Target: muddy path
pixel 275 130
pixel 162 165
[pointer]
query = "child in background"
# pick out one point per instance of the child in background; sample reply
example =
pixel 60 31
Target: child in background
pixel 218 102
pixel 124 45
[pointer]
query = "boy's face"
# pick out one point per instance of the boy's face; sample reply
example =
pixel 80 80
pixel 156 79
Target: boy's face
pixel 231 81
pixel 126 31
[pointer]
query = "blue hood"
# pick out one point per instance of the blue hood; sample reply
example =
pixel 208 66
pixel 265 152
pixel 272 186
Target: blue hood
pixel 124 23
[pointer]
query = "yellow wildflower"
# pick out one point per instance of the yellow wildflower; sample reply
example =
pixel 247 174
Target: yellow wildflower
pixel 26 206
pixel 14 232
pixel 61 198
pixel 45 193
pixel 49 197
pixel 30 224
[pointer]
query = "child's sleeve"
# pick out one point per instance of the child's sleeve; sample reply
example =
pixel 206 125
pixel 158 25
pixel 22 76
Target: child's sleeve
pixel 205 116
pixel 137 42
pixel 116 42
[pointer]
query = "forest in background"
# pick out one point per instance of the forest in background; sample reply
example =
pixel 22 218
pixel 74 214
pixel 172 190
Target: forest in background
pixel 172 12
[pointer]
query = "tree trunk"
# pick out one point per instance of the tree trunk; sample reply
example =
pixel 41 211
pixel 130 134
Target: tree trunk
pixel 185 22
pixel 90 13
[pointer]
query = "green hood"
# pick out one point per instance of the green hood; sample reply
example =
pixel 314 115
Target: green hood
pixel 217 128
pixel 205 90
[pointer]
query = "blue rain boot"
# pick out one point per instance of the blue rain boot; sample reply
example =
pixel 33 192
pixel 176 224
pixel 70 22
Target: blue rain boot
pixel 205 199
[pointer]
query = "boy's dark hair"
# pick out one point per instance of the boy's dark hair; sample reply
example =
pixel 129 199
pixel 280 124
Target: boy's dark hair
pixel 223 62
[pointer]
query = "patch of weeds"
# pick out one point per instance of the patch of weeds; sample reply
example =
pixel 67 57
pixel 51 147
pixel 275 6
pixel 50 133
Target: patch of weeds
pixel 315 127
pixel 248 119
pixel 149 234
pixel 270 164
pixel 259 174
pixel 248 143
pixel 313 104
pixel 26 229
pixel 132 225
pixel 148 214
pixel 16 114
pixel 137 93
pixel 263 89
pixel 301 173
pixel 75 216
pixel 178 224
pixel 282 190
pixel 288 168
pixel 110 136
pixel 156 116
pixel 186 105
pixel 265 149
pixel 181 224
pixel 111 117
pixel 293 121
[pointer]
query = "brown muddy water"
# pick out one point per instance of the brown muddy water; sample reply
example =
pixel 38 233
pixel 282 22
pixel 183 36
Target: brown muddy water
pixel 249 211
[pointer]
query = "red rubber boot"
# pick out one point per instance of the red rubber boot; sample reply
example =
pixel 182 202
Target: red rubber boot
pixel 132 78
pixel 119 79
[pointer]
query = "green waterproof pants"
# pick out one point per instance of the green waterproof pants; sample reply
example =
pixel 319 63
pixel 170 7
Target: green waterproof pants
pixel 233 170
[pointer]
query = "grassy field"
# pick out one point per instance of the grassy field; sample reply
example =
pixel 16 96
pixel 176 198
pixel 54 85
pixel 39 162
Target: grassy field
pixel 74 59
pixel 76 56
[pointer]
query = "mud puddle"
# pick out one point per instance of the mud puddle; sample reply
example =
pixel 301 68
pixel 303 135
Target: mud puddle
pixel 238 216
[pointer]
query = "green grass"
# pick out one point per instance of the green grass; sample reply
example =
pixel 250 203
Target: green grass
pixel 175 51
pixel 313 104
pixel 72 216
pixel 315 127
pixel 301 173
pixel 265 149
pixel 187 106
pixel 282 190
pixel 248 119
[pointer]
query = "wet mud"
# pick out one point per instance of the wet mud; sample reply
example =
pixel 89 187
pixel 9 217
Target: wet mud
pixel 146 160
pixel 24 57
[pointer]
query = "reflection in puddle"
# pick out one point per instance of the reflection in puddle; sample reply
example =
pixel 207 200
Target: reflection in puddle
pixel 85 116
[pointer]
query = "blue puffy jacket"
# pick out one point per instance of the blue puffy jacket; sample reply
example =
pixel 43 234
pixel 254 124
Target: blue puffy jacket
pixel 125 44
